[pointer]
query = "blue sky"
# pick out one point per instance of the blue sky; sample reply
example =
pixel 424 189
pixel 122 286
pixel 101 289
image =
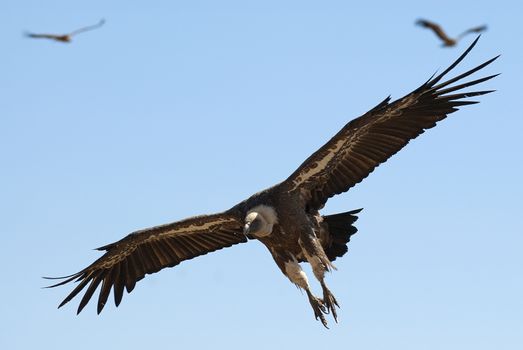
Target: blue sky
pixel 179 108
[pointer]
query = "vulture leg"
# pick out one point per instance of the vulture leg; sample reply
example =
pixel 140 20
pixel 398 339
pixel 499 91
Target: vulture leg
pixel 320 263
pixel 291 268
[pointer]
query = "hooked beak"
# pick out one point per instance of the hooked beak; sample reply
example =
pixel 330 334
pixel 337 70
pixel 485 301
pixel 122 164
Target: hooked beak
pixel 247 229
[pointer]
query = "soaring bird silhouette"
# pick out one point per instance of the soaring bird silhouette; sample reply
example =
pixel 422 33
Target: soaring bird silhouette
pixel 65 38
pixel 285 217
pixel 447 41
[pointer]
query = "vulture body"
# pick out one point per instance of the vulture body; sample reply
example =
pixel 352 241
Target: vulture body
pixel 286 217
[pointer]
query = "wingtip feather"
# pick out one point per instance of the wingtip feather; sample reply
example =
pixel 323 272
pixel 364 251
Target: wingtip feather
pixel 455 63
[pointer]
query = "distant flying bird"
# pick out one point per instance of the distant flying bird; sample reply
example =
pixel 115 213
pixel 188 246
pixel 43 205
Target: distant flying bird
pixel 448 42
pixel 65 38
pixel 285 217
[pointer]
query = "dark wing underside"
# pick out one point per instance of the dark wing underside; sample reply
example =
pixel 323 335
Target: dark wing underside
pixel 44 36
pixel 148 251
pixel 367 141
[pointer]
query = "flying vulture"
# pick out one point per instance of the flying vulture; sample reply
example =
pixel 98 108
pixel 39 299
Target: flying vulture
pixel 448 42
pixel 65 38
pixel 286 217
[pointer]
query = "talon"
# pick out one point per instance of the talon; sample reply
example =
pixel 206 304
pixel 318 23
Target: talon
pixel 324 321
pixel 330 302
pixel 319 309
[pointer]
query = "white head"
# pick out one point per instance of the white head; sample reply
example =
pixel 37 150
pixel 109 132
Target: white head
pixel 260 221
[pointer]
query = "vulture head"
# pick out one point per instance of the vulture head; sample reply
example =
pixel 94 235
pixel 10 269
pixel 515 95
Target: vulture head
pixel 259 221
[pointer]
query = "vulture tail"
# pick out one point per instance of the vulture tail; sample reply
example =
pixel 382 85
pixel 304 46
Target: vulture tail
pixel 340 228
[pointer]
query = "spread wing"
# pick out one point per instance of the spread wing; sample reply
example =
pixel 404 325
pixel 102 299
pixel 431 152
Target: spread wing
pixel 85 29
pixel 435 28
pixel 43 36
pixel 148 251
pixel 478 29
pixel 366 142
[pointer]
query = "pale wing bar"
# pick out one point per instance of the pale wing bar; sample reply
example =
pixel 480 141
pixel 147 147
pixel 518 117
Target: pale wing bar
pixel 148 251
pixel 365 142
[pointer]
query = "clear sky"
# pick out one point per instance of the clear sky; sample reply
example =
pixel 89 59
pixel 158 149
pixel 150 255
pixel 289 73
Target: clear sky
pixel 179 108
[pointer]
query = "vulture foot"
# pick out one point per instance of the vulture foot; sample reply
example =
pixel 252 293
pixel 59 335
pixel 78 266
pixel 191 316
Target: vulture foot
pixel 330 303
pixel 319 309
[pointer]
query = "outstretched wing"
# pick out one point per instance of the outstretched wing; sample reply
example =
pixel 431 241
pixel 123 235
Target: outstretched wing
pixel 148 251
pixel 478 29
pixel 436 29
pixel 43 36
pixel 85 29
pixel 367 141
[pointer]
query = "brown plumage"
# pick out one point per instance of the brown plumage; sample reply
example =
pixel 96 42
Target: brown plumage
pixel 65 38
pixel 286 217
pixel 447 41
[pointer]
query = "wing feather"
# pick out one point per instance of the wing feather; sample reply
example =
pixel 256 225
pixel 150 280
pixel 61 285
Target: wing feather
pixel 366 142
pixel 119 282
pixel 95 281
pixel 148 251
